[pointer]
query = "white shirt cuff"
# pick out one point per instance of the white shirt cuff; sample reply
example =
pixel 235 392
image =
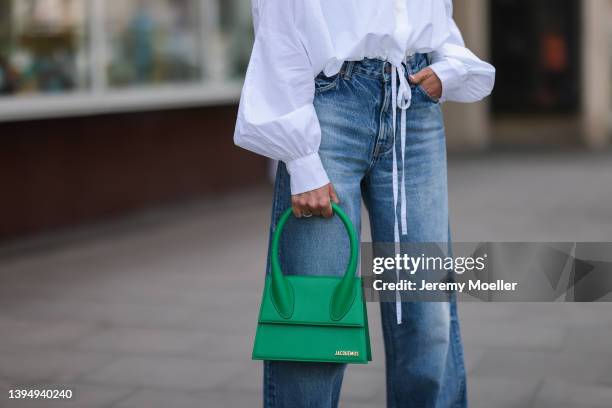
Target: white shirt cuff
pixel 307 174
pixel 451 72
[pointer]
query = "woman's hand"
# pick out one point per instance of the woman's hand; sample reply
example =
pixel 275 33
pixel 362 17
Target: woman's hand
pixel 429 81
pixel 315 202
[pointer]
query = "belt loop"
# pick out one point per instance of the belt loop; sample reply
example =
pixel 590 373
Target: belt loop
pixel 349 69
pixel 409 63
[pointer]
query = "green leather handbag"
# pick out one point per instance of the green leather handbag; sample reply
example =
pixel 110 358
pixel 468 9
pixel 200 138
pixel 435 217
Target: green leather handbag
pixel 313 318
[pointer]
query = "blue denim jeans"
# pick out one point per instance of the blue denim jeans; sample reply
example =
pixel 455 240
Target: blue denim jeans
pixel 424 357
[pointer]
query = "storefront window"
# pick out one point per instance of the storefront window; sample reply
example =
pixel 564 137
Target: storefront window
pixel 545 36
pixel 154 42
pixel 43 46
pixel 87 56
pixel 236 35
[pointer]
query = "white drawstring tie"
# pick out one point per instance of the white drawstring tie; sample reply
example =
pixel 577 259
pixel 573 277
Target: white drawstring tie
pixel 401 97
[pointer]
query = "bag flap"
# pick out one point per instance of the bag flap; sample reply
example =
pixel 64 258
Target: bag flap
pixel 312 303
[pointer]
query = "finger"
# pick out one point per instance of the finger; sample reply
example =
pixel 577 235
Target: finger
pixel 321 203
pixel 295 207
pixel 327 211
pixel 333 195
pixel 302 205
pixel 431 82
pixel 427 87
pixel 314 209
pixel 324 206
pixel 315 212
pixel 312 206
pixel 420 76
pixel 432 87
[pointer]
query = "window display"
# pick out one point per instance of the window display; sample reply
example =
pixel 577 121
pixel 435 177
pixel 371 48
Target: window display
pixel 42 46
pixel 235 30
pixel 547 34
pixel 155 41
pixel 65 57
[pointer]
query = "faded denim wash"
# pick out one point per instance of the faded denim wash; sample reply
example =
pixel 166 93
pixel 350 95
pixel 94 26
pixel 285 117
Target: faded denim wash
pixel 424 357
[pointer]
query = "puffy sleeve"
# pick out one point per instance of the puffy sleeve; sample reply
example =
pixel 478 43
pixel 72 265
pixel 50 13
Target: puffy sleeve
pixel 464 76
pixel 276 116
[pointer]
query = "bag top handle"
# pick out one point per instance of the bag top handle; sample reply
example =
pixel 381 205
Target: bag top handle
pixel 282 292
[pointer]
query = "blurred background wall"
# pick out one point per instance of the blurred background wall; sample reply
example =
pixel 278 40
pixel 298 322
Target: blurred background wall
pixel 111 106
pixel 554 62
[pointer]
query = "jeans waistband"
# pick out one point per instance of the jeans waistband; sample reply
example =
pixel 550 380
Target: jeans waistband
pixel 381 69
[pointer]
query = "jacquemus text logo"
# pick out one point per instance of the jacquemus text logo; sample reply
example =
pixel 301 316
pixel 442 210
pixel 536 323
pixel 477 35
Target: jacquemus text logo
pixel 347 353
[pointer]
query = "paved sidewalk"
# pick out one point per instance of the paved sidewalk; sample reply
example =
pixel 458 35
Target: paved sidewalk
pixel 159 309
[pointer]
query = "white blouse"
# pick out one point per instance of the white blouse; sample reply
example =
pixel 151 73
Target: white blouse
pixel 297 39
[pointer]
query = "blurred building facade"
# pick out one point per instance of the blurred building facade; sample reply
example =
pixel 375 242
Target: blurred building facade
pixel 554 62
pixel 107 106
pixel 112 106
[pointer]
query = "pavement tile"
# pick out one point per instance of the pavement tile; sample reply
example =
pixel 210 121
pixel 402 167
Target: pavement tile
pixel 227 347
pixel 49 365
pixel 225 400
pixel 539 365
pixel 589 316
pixel 155 398
pixel 480 314
pixel 5 386
pixel 160 310
pixel 471 357
pixel 554 393
pixel 83 396
pixel 497 392
pixel 514 336
pixel 103 314
pixel 590 340
pixel 360 385
pixel 249 379
pixel 230 323
pixel 143 341
pixel 165 372
pixel 170 317
pixel 18 334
